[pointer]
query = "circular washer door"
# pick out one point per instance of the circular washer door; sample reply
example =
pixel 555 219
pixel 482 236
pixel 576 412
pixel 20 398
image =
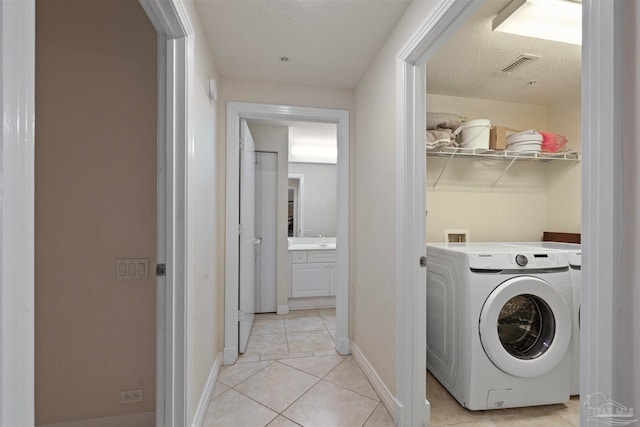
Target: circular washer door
pixel 525 327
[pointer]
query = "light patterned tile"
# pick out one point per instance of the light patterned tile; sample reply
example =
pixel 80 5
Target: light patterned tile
pixel 446 413
pixel 232 409
pixel 348 375
pixel 282 422
pixel 328 318
pixel 314 341
pixel 267 326
pixel 331 352
pixel 380 418
pixel 278 356
pixel 276 343
pixel 327 312
pixel 235 374
pixel 327 404
pixel 304 324
pixel 302 313
pixel 277 386
pixel 318 365
pixel 332 332
pixel 477 423
pixel 533 419
pixel 218 389
pixel 571 411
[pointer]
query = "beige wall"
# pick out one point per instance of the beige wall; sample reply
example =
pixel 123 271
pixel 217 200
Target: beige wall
pixel 276 139
pixel 205 269
pixel 516 208
pixel 564 179
pixel 373 296
pixel 95 202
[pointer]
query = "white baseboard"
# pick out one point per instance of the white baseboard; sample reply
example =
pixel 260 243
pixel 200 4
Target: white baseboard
pixel 143 419
pixel 388 400
pixel 201 411
pixel 311 302
pixel 283 309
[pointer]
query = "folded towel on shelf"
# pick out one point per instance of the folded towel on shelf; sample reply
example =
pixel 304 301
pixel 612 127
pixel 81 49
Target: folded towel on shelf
pixel 440 138
pixel 443 121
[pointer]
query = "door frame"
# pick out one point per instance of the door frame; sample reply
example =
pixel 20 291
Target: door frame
pixel 244 110
pixel 601 202
pixel 175 53
pixel 17 209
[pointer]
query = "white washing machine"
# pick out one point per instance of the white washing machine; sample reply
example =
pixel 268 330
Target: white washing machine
pixel 499 324
pixel 574 253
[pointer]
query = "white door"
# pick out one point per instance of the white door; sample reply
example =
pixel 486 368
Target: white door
pixel 266 219
pixel 246 300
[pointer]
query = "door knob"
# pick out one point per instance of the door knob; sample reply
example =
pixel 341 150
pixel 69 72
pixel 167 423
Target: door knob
pixel 257 240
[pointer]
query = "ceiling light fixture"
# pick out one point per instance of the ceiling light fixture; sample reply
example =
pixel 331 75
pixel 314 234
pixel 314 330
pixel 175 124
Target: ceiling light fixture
pixel 558 20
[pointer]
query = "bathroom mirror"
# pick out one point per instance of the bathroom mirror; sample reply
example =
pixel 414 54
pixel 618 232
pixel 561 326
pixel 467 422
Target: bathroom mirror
pixel 313 174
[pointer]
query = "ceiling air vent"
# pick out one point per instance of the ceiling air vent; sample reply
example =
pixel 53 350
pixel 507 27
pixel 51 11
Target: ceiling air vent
pixel 521 61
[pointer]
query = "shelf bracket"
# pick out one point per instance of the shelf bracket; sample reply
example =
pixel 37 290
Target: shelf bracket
pixel 435 184
pixel 504 172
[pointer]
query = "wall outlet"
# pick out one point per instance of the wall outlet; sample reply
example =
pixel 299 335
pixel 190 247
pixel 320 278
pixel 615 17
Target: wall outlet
pixel 132 396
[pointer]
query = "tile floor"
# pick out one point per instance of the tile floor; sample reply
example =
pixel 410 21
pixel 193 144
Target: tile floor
pixel 290 375
pixel 446 411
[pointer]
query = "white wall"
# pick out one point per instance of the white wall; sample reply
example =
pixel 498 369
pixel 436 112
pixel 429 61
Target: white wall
pixel 276 140
pixel 205 279
pixel 531 197
pixel 373 296
pixel 319 199
pixel 516 208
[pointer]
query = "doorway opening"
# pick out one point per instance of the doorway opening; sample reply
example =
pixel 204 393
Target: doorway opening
pixel 238 113
pixel 295 206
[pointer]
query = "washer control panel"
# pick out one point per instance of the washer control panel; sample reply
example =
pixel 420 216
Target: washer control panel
pixel 517 260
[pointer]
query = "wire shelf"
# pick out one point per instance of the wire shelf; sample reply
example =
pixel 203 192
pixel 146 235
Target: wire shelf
pixel 510 156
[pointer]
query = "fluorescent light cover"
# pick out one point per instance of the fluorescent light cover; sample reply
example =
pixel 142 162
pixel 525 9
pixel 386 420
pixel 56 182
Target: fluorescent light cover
pixel 313 154
pixel 558 20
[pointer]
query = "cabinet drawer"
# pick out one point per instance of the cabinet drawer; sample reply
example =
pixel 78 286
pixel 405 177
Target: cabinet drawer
pixel 298 257
pixel 321 256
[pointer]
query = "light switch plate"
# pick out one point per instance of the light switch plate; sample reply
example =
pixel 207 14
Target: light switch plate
pixel 132 268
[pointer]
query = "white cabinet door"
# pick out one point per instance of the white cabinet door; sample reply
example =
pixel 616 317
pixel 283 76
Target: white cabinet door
pixel 333 280
pixel 310 280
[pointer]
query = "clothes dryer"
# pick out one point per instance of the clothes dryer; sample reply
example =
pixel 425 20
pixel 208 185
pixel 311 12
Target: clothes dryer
pixel 499 324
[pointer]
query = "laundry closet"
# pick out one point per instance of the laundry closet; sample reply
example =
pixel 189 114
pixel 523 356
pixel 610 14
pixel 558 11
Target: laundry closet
pixel 486 195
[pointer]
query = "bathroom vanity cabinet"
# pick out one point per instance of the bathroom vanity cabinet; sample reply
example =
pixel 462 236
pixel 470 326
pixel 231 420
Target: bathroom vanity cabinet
pixel 313 273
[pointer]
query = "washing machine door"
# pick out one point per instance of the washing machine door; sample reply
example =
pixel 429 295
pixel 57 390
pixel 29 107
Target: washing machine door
pixel 525 327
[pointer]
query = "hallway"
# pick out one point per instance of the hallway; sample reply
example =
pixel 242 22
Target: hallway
pixel 291 375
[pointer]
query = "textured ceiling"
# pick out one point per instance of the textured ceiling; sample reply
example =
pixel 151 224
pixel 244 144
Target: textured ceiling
pixel 328 42
pixel 470 65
